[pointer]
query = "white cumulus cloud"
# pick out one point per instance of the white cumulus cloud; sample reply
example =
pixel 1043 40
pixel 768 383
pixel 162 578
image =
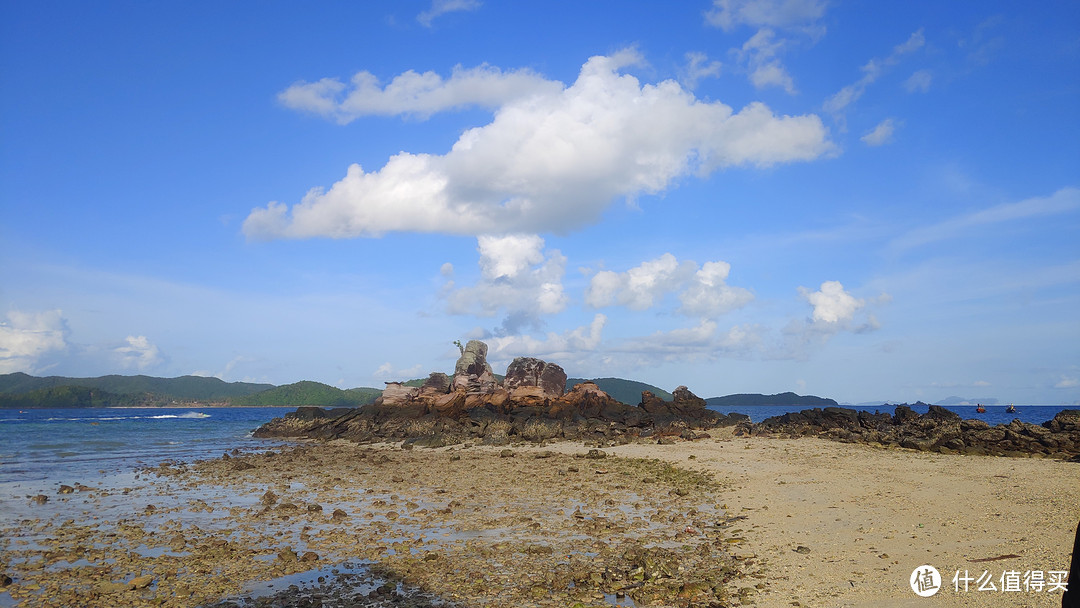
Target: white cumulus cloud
pixel 138 353
pixel 551 161
pixel 570 345
pixel 640 287
pixel 517 277
pixel 27 337
pixel 704 291
pixel 708 294
pixel 831 303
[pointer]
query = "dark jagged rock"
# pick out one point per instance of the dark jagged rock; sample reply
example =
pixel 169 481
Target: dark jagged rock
pixel 685 408
pixel 938 430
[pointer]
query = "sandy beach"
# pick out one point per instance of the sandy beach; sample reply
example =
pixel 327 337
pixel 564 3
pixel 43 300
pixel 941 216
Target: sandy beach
pixel 721 521
pixel 870 516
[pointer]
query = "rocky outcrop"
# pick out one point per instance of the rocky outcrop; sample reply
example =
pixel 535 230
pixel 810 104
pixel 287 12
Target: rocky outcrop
pixel 530 404
pixel 437 383
pixel 528 372
pixel 938 430
pixel 473 360
pixel 397 393
pixel 685 409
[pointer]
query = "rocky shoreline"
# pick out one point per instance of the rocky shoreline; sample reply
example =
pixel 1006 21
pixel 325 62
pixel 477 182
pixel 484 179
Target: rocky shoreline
pixel 468 525
pixel 530 405
pixel 939 430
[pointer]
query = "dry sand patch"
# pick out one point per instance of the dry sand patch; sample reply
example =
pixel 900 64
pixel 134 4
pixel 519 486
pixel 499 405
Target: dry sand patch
pixel 869 516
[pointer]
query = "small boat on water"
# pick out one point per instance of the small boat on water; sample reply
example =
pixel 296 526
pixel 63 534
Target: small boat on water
pixel 1011 409
pixel 980 409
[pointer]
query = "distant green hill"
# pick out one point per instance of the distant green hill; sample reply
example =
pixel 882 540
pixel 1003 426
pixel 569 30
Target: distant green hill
pixel 626 391
pixel 778 399
pixel 184 388
pixel 307 392
pixel 69 396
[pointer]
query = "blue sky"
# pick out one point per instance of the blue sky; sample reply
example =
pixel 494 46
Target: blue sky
pixel 860 200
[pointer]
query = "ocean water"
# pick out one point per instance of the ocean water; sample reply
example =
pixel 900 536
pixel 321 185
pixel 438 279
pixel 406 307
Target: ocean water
pixel 42 445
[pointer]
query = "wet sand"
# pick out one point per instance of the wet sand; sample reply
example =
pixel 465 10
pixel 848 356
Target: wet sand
pixel 753 521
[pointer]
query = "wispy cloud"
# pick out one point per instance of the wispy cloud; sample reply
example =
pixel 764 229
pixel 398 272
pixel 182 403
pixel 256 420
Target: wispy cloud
pixel 1064 200
pixel 386 370
pixel 698 67
pixel 728 14
pixel 919 81
pixel 415 94
pixel 760 56
pixel 881 134
pixel 872 70
pixel 442 7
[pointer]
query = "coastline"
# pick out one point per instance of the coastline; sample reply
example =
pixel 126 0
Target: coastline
pixel 743 505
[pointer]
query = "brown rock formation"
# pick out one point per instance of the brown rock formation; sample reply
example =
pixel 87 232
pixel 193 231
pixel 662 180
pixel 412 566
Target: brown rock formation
pixel 531 404
pixel 526 372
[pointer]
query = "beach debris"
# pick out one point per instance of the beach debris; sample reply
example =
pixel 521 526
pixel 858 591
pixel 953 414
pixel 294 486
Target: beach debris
pixel 802 549
pixel 40 499
pixel 66 490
